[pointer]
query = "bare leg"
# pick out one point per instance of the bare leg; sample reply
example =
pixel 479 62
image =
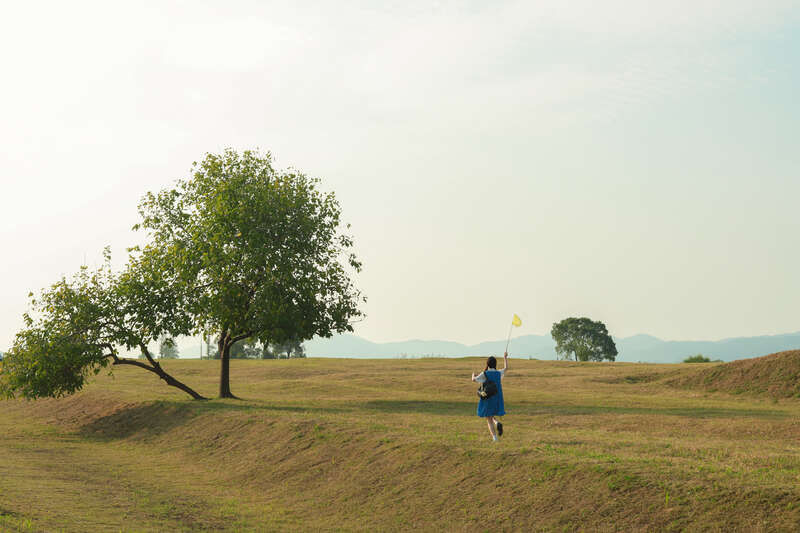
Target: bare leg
pixel 492 430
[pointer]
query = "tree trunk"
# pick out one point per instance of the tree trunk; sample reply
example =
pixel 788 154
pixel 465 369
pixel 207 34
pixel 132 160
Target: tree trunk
pixel 224 347
pixel 175 383
pixel 156 369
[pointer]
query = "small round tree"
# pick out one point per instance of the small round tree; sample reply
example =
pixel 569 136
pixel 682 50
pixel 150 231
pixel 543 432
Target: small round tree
pixel 167 349
pixel 582 339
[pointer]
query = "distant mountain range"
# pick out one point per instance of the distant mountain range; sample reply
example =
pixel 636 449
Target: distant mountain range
pixel 644 348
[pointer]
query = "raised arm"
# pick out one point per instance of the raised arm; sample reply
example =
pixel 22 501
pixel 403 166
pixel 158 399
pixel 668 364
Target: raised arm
pixel 479 377
pixel 505 360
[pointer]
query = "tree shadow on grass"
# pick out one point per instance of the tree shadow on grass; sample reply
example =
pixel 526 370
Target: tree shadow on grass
pixel 152 419
pixel 689 412
pixel 254 407
pixel 144 420
pixel 531 409
pixel 155 418
pixel 420 406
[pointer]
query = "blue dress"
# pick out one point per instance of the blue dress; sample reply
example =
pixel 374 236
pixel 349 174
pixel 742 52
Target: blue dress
pixel 492 406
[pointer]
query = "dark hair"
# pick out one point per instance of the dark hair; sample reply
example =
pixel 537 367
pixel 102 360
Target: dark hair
pixel 491 362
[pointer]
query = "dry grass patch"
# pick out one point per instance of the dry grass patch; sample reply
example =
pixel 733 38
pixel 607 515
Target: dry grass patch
pixel 776 375
pixel 395 445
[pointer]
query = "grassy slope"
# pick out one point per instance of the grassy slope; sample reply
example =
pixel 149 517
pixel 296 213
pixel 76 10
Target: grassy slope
pixel 776 375
pixel 394 445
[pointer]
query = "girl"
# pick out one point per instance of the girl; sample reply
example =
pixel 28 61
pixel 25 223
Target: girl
pixel 491 407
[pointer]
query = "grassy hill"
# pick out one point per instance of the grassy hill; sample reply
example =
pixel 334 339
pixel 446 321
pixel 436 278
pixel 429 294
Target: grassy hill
pixel 394 445
pixel 776 375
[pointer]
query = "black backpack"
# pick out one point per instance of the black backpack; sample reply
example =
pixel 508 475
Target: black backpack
pixel 487 389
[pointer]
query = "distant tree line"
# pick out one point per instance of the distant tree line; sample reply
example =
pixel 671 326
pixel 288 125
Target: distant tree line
pixel 245 349
pixel 252 349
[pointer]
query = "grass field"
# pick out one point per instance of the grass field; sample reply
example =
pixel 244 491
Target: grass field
pixel 390 445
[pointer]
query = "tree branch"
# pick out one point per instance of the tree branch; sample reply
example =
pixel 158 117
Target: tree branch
pixel 134 362
pixel 156 369
pixel 149 357
pixel 240 337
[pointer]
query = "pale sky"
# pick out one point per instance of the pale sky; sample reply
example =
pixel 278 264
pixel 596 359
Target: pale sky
pixel 632 162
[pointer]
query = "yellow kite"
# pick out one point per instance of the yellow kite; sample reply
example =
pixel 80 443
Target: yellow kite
pixel 515 322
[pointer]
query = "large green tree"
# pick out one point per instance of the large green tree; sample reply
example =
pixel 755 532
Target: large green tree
pixel 78 326
pixel 583 339
pixel 258 253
